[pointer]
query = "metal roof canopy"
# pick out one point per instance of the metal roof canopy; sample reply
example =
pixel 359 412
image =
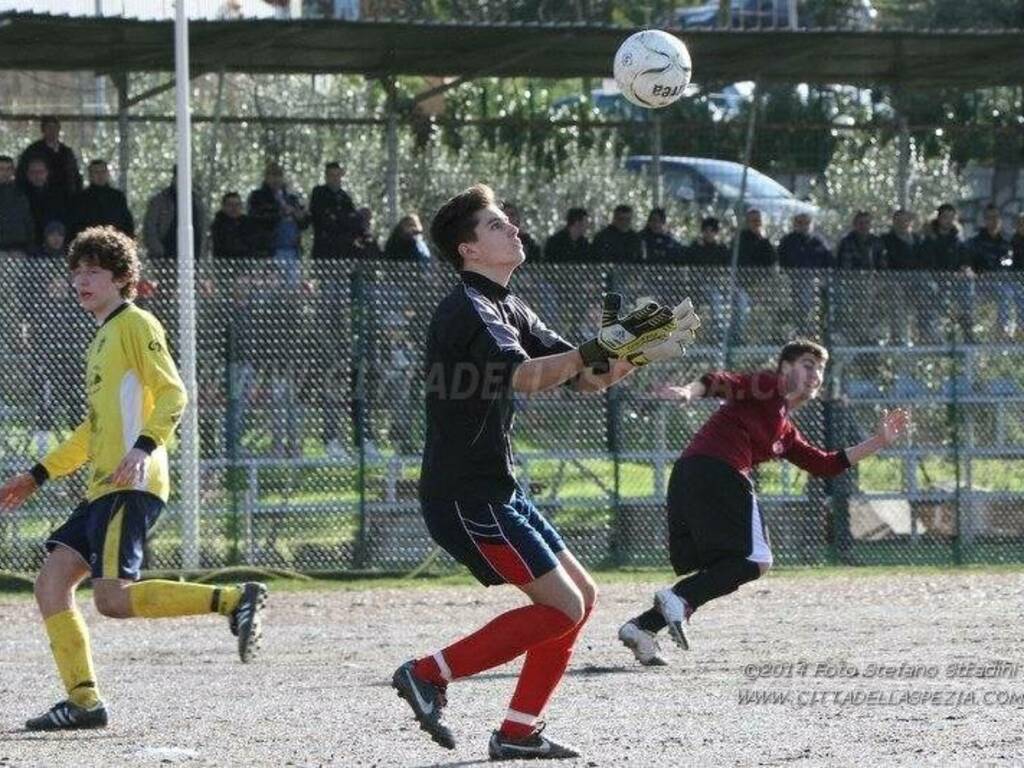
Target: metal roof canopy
pixel 381 48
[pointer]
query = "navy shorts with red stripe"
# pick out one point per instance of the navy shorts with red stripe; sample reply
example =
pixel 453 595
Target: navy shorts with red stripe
pixel 500 542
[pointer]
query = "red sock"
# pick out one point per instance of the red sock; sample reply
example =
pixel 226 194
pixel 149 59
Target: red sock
pixel 509 635
pixel 542 672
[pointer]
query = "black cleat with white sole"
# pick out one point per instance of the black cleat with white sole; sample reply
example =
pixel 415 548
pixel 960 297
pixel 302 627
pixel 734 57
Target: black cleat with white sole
pixel 246 621
pixel 66 716
pixel 427 701
pixel 533 747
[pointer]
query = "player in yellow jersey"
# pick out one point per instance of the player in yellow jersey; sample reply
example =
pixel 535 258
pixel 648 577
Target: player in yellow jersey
pixel 135 399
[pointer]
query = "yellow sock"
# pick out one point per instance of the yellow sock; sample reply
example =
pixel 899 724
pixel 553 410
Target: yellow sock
pixel 69 641
pixel 157 599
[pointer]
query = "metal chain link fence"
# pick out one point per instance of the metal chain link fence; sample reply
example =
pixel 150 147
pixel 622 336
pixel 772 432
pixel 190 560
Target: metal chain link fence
pixel 311 416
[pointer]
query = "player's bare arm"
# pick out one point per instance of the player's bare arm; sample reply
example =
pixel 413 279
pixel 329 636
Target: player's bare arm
pixel 891 427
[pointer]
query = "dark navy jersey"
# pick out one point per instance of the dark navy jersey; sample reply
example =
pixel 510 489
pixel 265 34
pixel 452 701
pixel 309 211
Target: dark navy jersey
pixel 479 334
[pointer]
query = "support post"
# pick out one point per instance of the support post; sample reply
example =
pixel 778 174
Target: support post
pixel 189 450
pixel 748 151
pixel 903 164
pixel 391 183
pixel 656 180
pixel 124 155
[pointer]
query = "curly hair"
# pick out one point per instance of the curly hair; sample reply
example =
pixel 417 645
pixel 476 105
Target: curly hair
pixel 794 350
pixel 108 248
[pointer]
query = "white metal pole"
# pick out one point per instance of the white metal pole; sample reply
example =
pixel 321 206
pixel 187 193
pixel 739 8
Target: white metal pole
pixel 189 455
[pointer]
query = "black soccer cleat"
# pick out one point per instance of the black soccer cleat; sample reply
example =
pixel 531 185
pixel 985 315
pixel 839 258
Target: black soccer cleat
pixel 427 701
pixel 246 621
pixel 533 747
pixel 66 716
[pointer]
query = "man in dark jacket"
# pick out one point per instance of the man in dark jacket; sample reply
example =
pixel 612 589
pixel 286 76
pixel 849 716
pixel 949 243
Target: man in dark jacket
pixel 278 217
pixel 531 248
pixel 160 223
pixel 992 252
pixel 232 230
pixel 47 203
pixel 803 249
pixel 901 245
pixel 60 160
pixel 660 246
pixel 17 227
pixel 619 242
pixel 569 245
pixel 707 250
pixel 945 251
pixel 100 204
pixel 756 250
pixel 860 248
pixel 333 215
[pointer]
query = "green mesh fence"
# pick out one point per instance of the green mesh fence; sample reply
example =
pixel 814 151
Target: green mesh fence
pixel 311 412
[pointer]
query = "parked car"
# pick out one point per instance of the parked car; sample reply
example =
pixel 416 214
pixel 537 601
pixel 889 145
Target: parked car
pixel 714 185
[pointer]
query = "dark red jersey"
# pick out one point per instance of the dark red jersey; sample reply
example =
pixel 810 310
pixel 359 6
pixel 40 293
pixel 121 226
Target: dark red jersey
pixel 752 426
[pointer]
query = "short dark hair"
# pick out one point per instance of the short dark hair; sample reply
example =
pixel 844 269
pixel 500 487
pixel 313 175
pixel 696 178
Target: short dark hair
pixel 993 207
pixel 794 350
pixel 98 161
pixel 710 222
pixel 226 195
pixel 46 120
pixel 658 213
pixel 455 223
pixel 575 215
pixel 945 207
pixel 111 249
pixel 622 208
pixel 6 159
pixel 333 165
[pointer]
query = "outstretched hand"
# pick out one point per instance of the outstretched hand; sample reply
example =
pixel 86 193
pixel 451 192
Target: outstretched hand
pixel 672 392
pixel 16 490
pixel 893 425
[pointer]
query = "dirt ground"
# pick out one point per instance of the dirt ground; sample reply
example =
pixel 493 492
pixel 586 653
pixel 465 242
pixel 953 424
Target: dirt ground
pixel 891 669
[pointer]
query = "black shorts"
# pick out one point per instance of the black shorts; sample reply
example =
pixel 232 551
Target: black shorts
pixel 500 542
pixel 713 513
pixel 109 532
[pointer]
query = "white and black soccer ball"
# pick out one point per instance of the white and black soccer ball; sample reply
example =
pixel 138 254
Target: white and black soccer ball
pixel 652 68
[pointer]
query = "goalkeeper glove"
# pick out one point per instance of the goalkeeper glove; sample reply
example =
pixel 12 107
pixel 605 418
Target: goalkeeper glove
pixel 675 345
pixel 623 336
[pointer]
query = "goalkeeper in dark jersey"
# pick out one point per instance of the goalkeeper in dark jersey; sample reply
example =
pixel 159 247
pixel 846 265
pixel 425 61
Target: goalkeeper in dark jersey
pixel 717 533
pixel 135 400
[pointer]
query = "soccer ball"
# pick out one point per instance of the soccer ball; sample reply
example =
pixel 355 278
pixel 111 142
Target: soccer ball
pixel 652 68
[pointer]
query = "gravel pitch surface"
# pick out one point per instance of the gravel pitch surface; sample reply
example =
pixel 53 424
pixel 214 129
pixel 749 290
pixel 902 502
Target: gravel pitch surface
pixel 898 669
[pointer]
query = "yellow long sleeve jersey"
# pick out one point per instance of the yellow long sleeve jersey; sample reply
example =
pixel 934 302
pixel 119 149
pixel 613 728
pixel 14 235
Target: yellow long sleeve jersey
pixel 135 399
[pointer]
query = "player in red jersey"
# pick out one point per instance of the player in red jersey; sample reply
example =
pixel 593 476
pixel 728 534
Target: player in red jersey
pixel 717 534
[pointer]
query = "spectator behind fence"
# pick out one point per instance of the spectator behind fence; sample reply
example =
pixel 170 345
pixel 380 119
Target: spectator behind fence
pixel 706 250
pixel 619 242
pixel 802 247
pixel 1017 242
pixel 365 245
pixel 160 224
pixel 943 245
pixel 531 248
pixel 59 158
pixel 992 252
pixel 278 219
pixel 660 247
pixel 569 245
pixel 232 230
pixel 901 245
pixel 756 250
pixel 99 204
pixel 406 242
pixel 55 242
pixel 335 223
pixel 47 203
pixel 860 248
pixel 17 227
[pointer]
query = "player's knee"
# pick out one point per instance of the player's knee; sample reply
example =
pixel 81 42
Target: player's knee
pixel 111 605
pixel 572 605
pixel 588 590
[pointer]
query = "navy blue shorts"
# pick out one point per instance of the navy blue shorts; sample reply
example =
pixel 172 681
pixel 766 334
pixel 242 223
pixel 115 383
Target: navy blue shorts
pixel 501 542
pixel 109 533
